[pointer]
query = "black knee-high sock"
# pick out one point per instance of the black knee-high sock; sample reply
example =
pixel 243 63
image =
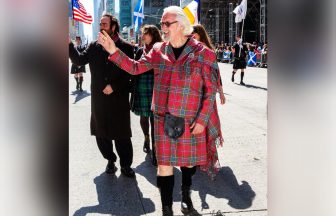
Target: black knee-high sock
pixel 187 174
pixel 80 82
pixel 166 186
pixel 232 77
pixel 241 76
pixel 77 81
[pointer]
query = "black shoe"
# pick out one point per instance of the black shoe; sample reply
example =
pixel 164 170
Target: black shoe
pixel 232 77
pixel 154 161
pixel 242 83
pixel 167 211
pixel 80 89
pixel 110 168
pixel 128 172
pixel 146 147
pixel 187 207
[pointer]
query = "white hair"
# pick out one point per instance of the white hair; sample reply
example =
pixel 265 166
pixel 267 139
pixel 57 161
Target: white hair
pixel 181 17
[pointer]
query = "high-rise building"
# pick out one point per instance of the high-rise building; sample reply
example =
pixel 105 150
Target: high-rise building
pixel 125 13
pixel 153 10
pixel 218 20
pixel 110 6
pixel 75 28
pixel 98 9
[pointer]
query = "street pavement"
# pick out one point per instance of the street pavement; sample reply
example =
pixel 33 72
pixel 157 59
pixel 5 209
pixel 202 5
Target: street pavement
pixel 240 188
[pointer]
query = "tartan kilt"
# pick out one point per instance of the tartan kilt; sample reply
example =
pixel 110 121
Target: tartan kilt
pixel 142 95
pixel 77 69
pixel 239 63
pixel 187 150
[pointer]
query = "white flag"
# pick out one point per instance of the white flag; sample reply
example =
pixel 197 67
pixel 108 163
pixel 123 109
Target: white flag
pixel 191 11
pixel 240 11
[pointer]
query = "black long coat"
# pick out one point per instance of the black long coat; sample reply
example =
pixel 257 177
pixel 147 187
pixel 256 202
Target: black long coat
pixel 110 114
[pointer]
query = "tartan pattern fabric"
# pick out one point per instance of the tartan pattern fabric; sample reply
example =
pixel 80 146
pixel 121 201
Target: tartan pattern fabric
pixel 143 92
pixel 190 80
pixel 187 150
pixel 185 87
pixel 214 139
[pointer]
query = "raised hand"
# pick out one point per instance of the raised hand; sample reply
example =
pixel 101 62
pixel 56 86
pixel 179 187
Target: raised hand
pixel 105 40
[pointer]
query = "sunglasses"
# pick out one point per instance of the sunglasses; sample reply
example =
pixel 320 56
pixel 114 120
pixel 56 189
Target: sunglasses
pixel 167 24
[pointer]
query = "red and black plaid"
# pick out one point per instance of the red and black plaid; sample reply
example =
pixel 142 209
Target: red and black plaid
pixel 184 87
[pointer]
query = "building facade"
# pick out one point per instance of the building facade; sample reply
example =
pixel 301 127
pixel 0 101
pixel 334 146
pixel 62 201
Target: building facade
pixel 110 6
pixel 99 6
pixel 125 13
pixel 75 28
pixel 218 19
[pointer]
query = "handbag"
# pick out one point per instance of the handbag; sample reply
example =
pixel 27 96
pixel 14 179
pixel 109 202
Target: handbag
pixel 173 126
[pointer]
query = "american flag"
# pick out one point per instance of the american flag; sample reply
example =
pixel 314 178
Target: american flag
pixel 79 12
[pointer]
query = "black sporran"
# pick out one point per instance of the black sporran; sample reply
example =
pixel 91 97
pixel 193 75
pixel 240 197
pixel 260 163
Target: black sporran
pixel 173 126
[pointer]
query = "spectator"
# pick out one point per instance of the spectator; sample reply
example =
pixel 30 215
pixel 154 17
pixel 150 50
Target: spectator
pixel 143 89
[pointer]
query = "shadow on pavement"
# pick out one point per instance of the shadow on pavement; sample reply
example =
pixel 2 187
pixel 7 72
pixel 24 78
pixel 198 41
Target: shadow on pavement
pixel 80 95
pixel 147 170
pixel 118 196
pixel 252 86
pixel 239 196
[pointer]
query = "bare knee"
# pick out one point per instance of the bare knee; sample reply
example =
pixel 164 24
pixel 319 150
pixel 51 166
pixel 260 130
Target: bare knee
pixel 165 170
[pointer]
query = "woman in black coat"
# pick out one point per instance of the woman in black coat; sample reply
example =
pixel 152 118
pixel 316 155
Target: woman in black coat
pixel 143 89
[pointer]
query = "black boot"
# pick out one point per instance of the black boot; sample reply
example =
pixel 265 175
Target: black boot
pixel 241 78
pixel 77 83
pixel 232 77
pixel 110 167
pixel 146 147
pixel 166 186
pixel 80 83
pixel 167 211
pixel 187 207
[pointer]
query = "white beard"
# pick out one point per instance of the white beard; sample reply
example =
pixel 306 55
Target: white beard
pixel 165 37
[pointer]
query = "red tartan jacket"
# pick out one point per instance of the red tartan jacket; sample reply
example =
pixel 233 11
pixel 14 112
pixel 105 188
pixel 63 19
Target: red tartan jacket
pixel 185 87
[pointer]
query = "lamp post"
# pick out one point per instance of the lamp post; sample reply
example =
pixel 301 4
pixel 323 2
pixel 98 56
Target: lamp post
pixel 212 24
pixel 230 24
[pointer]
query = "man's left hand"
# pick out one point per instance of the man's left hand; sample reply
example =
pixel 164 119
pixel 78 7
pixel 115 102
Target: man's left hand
pixel 196 128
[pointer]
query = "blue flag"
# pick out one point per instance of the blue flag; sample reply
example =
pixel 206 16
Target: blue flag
pixel 138 15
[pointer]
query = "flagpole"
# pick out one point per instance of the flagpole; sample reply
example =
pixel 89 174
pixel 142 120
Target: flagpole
pixel 241 37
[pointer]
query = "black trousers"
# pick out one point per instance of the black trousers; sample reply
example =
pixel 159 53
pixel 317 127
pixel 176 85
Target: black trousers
pixel 124 149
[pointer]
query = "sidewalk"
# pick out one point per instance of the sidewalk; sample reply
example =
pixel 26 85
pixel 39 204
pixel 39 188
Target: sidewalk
pixel 239 189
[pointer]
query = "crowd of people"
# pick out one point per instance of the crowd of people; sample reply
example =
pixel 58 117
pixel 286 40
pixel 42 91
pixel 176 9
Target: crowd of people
pixel 173 78
pixel 256 54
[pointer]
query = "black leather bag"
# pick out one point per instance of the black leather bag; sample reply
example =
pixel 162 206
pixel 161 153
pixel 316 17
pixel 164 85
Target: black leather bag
pixel 173 126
